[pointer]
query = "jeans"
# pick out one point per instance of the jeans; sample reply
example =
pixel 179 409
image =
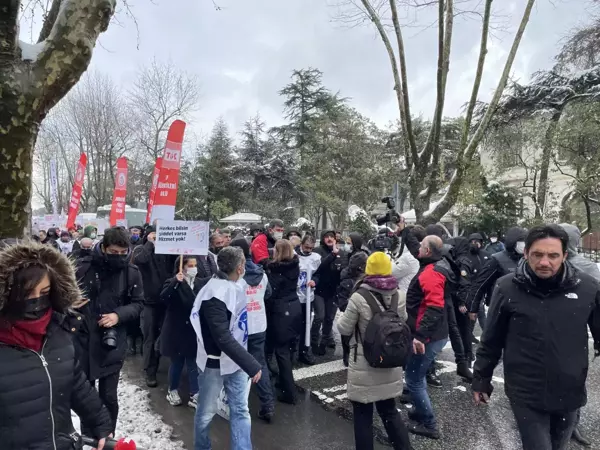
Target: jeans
pixel 210 383
pixel 176 369
pixel 416 369
pixel 392 421
pixel 152 320
pixel 325 310
pixel 542 430
pixel 256 347
pixel 107 391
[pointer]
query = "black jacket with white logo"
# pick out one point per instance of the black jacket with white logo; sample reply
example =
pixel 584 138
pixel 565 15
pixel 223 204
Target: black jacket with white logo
pixel 542 338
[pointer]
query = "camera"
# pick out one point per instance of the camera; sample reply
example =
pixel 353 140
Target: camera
pixel 391 216
pixel 383 241
pixel 109 338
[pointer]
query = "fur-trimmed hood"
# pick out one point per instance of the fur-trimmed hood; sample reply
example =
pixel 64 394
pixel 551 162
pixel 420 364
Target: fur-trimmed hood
pixel 21 254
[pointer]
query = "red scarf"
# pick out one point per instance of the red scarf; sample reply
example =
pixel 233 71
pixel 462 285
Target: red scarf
pixel 27 333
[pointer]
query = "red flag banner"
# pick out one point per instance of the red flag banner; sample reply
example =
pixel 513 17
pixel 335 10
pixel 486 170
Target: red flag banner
pixel 117 212
pixel 155 176
pixel 77 189
pixel 165 197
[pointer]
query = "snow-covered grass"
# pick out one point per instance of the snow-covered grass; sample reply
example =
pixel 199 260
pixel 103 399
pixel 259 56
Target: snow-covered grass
pixel 138 421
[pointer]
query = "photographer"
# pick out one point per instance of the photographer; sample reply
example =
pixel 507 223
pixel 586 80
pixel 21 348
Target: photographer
pixel 113 297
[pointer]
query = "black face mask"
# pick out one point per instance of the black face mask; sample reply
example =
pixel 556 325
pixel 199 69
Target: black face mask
pixel 216 250
pixel 116 261
pixel 85 252
pixel 30 309
pixel 474 248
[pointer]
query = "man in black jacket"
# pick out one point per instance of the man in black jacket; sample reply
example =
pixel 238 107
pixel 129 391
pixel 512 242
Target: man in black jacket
pixel 114 293
pixel 537 323
pixel 328 276
pixel 498 265
pixel 155 269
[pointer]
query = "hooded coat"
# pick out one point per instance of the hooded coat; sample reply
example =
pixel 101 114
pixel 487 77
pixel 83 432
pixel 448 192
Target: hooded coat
pixel 39 390
pixel 349 277
pixel 108 290
pixel 155 269
pixel 51 238
pixel 581 263
pixel 542 337
pixel 329 272
pixel 284 313
pixel 177 336
pixel 365 383
pixel 498 265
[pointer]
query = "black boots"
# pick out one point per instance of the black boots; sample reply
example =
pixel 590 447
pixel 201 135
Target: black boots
pixel 578 437
pixel 433 380
pixel 463 371
pixel 306 357
pixel 151 380
pixel 319 350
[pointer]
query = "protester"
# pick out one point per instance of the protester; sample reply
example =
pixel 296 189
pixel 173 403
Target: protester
pixel 356 245
pixel 65 244
pixel 325 295
pixel 284 314
pixel 258 289
pixel 255 229
pixel 425 304
pixel 537 324
pixel 226 237
pixel 495 246
pixel 590 268
pixel 407 265
pixel 177 337
pixel 263 243
pixel 498 265
pixel 136 235
pixel 42 235
pixel 309 262
pixel 219 317
pixel 216 243
pixel 82 248
pixel 51 238
pixel 295 241
pixel 292 232
pixel 113 293
pixel 368 386
pixel 155 270
pixel 37 287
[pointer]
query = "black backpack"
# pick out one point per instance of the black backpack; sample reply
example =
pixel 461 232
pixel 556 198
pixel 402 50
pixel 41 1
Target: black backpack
pixel 387 342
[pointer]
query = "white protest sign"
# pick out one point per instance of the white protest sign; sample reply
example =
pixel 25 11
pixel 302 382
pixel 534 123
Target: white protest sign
pixel 180 237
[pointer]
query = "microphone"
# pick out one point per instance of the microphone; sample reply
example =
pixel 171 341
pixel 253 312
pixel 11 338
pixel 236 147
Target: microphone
pixel 112 444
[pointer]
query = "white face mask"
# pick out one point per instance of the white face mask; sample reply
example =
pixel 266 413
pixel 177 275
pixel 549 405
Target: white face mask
pixel 520 247
pixel 277 235
pixel 191 272
pixel 348 248
pixel 494 240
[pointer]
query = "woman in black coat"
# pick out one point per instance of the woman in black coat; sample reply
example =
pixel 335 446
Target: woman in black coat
pixel 41 381
pixel 178 338
pixel 284 314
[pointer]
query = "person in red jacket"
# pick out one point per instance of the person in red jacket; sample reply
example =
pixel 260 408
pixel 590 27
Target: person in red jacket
pixel 262 246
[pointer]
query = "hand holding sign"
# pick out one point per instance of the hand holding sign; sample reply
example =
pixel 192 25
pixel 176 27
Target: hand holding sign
pixel 179 237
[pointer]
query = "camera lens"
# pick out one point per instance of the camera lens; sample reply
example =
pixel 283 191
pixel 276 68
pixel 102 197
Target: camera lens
pixel 109 339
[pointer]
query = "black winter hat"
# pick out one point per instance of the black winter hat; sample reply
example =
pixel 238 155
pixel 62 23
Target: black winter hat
pixel 243 244
pixel 476 237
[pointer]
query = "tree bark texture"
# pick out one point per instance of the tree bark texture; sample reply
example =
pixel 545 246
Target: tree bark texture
pixel 547 149
pixel 30 88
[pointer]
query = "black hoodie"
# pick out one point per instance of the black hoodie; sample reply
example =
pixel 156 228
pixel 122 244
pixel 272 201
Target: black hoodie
pixel 497 266
pixel 329 271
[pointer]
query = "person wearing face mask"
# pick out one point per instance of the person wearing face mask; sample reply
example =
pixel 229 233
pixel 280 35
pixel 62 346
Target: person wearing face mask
pixel 112 297
pixel 65 244
pixel 216 243
pixel 495 246
pixel 477 255
pixel 177 337
pixel 262 245
pixel 332 262
pixel 155 269
pixel 498 265
pixel 136 236
pixel 309 263
pixel 220 319
pixel 41 380
pixel 51 238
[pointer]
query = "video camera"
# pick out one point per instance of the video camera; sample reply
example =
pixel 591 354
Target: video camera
pixel 391 216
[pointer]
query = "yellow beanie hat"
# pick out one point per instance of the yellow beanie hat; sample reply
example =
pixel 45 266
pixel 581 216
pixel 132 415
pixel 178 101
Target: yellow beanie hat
pixel 379 264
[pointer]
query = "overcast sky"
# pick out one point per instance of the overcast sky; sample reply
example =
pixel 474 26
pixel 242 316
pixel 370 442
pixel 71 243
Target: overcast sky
pixel 244 53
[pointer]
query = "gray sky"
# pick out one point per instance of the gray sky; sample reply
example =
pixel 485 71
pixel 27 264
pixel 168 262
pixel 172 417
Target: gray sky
pixel 244 53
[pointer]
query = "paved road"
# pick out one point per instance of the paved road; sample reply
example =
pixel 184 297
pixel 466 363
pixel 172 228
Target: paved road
pixel 321 419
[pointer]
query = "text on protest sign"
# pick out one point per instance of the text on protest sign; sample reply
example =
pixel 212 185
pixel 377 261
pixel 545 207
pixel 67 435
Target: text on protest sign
pixel 180 237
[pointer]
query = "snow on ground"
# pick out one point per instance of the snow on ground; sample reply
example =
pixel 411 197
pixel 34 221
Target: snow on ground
pixel 138 421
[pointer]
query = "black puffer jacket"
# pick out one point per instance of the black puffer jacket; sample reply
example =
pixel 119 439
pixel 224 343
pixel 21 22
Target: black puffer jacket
pixel 542 337
pixel 328 273
pixel 284 313
pixel 39 390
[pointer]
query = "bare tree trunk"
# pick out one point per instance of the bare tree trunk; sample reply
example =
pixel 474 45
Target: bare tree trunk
pixel 547 149
pixel 31 88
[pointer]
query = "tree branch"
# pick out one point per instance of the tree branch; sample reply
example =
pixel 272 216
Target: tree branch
pixel 68 49
pixel 403 88
pixel 478 73
pixel 454 187
pixel 9 28
pixel 49 21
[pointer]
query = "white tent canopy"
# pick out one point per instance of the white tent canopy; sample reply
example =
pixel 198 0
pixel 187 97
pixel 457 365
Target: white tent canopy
pixel 242 219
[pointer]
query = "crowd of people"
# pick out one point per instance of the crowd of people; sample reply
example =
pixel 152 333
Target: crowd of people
pixel 73 305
